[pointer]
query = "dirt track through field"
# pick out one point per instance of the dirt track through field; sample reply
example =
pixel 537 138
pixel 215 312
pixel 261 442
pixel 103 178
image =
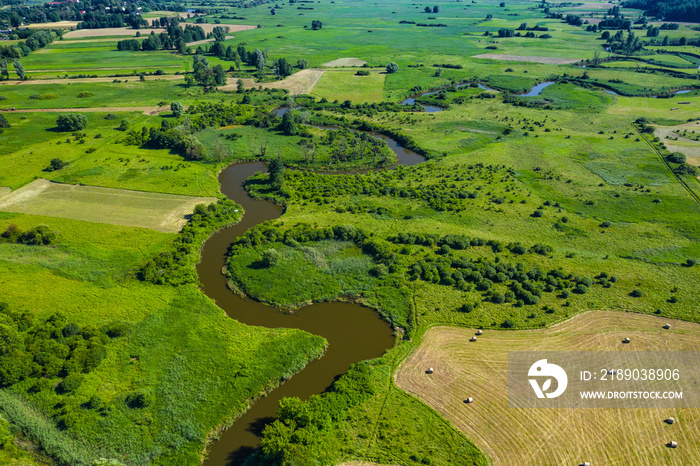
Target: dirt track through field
pixel 155 211
pixel 552 436
pixel 145 110
pixel 350 61
pixel 302 82
pixel 545 60
pixel 106 79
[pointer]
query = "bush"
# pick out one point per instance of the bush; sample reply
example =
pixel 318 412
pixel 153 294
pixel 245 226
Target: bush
pixel 690 262
pixel 71 122
pixel 362 73
pixel 111 116
pixel 537 213
pixel 605 225
pixel 392 68
pixel 636 294
pixel 71 383
pixel 137 400
pixel 270 258
pixel 3 122
pixel 676 157
pixel 508 323
pixel 84 94
pixel 56 164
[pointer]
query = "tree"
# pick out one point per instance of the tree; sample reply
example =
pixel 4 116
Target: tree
pixel 289 125
pixel 428 9
pixel 283 68
pixel 302 64
pixel 124 125
pixel 71 122
pixel 436 9
pixel 3 69
pixel 240 88
pixel 259 60
pixel 276 170
pixel 316 25
pixel 19 69
pixel 219 75
pixel 3 122
pixel 392 68
pixel 270 258
pixel 676 157
pixel 177 109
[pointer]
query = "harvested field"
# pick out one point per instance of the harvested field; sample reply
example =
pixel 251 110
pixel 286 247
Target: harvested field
pixel 545 60
pixel 161 212
pixel 82 33
pixel 350 61
pixel 56 25
pixel 552 436
pixel 4 190
pixel 145 110
pixel 206 41
pixel 679 143
pixel 302 82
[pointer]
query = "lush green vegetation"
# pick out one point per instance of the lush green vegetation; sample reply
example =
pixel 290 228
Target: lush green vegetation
pixel 529 209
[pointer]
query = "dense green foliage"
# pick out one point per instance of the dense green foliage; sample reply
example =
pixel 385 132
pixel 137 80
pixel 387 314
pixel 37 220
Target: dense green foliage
pixel 71 122
pixel 175 266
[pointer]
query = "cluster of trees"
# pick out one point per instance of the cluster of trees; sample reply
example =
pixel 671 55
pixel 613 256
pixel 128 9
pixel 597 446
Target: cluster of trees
pixel 434 9
pixel 175 38
pixel 5 71
pixel 447 243
pixel 670 10
pixel 51 348
pixel 452 193
pixel 111 19
pixel 36 40
pixel 175 266
pixel 71 122
pixel 205 75
pixel 624 45
pixel 40 235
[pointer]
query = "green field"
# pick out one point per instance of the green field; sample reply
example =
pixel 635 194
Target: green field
pixel 527 212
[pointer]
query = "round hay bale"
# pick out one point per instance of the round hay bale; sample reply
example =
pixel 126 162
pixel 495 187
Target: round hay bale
pixel 469 400
pixel 667 326
pixel 672 444
pixel 670 420
pixel 472 339
pixel 626 340
pixel 479 332
pixel 429 371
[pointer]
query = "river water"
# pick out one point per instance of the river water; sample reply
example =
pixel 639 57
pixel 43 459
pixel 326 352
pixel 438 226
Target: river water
pixel 354 333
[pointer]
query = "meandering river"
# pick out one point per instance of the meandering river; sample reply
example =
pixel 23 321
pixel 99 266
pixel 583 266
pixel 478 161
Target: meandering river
pixel 354 332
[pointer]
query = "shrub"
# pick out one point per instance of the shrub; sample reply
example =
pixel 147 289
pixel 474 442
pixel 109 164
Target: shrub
pixel 537 213
pixel 71 122
pixel 392 68
pixel 362 73
pixel 3 122
pixel 56 164
pixel 636 294
pixel 137 400
pixel 111 116
pixel 379 271
pixel 676 157
pixel 84 94
pixel 690 262
pixel 270 258
pixel 71 383
pixel 605 225
pixel 508 323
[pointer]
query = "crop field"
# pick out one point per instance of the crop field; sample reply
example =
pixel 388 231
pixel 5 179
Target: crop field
pixel 551 436
pixel 346 85
pixel 528 59
pixel 161 212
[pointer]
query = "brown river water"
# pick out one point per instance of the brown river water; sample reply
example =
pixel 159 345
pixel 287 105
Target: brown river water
pixel 354 332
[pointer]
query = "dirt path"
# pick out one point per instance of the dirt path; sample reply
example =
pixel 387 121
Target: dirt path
pixel 146 110
pixel 545 60
pixel 205 41
pixel 105 79
pixel 551 436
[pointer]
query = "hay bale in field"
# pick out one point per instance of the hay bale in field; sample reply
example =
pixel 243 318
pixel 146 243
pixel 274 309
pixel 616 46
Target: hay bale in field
pixel 672 444
pixel 626 340
pixel 469 400
pixel 472 339
pixel 667 326
pixel 479 332
pixel 670 420
pixel 585 463
pixel 429 371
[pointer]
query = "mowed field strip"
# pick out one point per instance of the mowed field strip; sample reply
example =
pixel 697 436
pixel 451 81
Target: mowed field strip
pixel 104 32
pixel 511 436
pixel 299 83
pixel 156 211
pixel 545 60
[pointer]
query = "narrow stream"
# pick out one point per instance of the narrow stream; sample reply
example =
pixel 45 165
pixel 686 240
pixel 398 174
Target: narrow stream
pixel 354 332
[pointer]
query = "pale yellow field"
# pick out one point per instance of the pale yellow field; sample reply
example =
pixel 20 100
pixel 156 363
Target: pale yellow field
pixel 349 61
pixel 552 436
pixel 56 25
pixel 145 110
pixel 679 143
pixel 83 33
pixel 299 83
pixel 161 212
pixel 545 60
pixel 345 85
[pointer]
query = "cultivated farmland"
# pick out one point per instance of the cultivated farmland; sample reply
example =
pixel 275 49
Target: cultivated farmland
pixel 552 436
pixel 161 212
